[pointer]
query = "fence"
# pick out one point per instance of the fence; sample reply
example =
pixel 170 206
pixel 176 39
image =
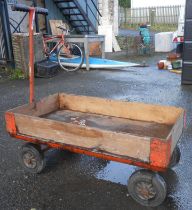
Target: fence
pixel 168 15
pixel 133 45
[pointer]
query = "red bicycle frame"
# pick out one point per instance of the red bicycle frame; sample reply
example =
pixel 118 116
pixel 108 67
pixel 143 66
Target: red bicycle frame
pixel 47 39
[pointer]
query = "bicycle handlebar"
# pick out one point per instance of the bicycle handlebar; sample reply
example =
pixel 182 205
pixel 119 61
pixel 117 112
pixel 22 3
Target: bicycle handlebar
pixel 24 8
pixel 20 7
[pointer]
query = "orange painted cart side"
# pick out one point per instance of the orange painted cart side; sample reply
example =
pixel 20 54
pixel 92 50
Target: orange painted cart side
pixel 138 134
pixel 159 156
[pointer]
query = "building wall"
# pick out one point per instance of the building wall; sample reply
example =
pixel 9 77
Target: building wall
pixel 54 13
pixel 150 3
pixel 15 17
pixel 110 13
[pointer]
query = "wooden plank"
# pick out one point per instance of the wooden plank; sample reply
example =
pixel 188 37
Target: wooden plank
pixel 130 110
pixel 42 107
pixel 119 125
pixel 56 23
pixel 88 138
pixel 176 132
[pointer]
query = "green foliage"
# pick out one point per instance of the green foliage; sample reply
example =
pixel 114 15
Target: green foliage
pixel 155 27
pixel 125 3
pixel 16 74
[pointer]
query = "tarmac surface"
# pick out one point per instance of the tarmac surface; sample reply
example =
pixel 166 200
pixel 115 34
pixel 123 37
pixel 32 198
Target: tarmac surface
pixel 72 181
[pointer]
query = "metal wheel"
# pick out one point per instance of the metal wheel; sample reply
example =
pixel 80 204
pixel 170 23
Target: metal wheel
pixel 175 158
pixel 147 188
pixel 72 59
pixel 31 158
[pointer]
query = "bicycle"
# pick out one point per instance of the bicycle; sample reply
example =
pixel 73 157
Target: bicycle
pixel 69 55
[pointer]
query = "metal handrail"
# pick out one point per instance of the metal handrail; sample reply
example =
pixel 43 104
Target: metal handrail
pixel 96 8
pixel 85 14
pixel 18 24
pixel 14 27
pixel 93 14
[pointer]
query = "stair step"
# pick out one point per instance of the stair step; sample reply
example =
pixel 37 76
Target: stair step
pixel 63 1
pixel 68 8
pixel 80 26
pixel 78 20
pixel 86 31
pixel 72 14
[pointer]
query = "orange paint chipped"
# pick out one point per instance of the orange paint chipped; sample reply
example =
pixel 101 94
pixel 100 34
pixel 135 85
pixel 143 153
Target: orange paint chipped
pixel 93 154
pixel 160 153
pixel 31 55
pixel 10 123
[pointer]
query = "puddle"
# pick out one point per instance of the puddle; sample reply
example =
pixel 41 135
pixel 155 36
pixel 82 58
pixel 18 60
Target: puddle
pixel 120 97
pixel 116 172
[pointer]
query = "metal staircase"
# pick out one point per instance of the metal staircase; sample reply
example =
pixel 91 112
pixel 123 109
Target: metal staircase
pixel 83 15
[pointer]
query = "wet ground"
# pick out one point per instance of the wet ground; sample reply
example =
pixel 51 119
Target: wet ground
pixel 72 181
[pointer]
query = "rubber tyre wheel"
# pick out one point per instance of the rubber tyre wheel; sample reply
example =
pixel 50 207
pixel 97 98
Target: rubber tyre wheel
pixel 142 178
pixel 68 68
pixel 32 158
pixel 175 158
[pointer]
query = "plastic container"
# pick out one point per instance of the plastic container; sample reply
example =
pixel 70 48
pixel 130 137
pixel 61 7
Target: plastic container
pixel 163 42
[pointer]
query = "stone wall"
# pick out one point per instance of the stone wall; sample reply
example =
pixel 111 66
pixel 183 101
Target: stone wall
pixel 128 44
pixel 132 45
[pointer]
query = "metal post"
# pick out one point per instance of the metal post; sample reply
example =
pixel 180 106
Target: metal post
pixel 36 17
pixel 6 31
pixel 86 7
pixel 87 14
pixel 46 21
pixel 31 55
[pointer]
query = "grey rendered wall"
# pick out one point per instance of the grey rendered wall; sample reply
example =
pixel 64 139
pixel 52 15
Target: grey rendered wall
pixel 17 16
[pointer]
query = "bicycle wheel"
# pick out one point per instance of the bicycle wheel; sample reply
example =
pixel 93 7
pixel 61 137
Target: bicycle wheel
pixel 70 57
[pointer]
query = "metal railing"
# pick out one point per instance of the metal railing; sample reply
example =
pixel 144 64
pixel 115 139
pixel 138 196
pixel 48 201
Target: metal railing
pixel 88 8
pixel 2 43
pixel 6 53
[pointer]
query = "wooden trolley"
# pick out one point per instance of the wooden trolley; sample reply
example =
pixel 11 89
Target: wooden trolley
pixel 139 134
